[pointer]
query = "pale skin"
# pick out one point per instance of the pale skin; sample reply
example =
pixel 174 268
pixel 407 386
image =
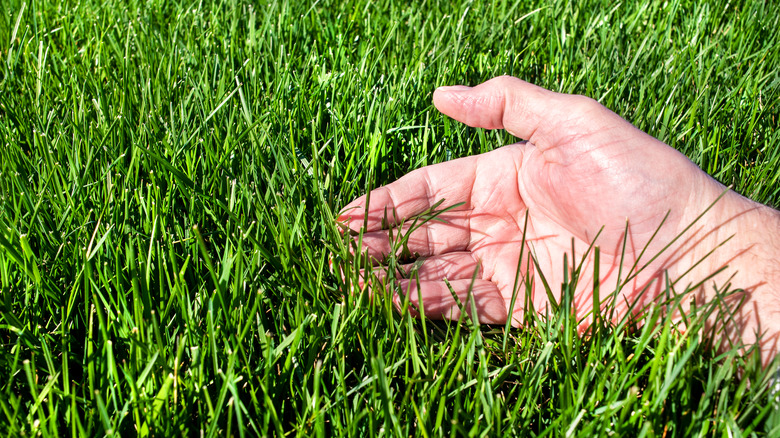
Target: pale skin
pixel 582 172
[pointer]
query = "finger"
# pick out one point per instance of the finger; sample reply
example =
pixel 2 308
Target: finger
pixel 523 109
pixel 449 233
pixel 452 266
pixel 414 193
pixel 435 300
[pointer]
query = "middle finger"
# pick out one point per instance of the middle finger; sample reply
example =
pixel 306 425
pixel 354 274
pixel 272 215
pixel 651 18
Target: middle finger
pixel 448 232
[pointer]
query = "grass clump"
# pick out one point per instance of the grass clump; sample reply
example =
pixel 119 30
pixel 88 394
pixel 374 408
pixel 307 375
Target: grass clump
pixel 169 174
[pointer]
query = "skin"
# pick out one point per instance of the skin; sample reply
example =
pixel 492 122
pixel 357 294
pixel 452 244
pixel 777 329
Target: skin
pixel 583 176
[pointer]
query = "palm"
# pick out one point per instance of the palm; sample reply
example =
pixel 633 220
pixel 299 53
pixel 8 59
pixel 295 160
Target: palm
pixel 586 173
pixel 559 221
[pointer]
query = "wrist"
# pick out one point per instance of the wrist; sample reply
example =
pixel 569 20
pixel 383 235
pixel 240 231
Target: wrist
pixel 737 248
pixel 749 256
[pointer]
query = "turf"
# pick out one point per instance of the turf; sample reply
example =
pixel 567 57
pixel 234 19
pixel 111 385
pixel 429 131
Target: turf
pixel 169 175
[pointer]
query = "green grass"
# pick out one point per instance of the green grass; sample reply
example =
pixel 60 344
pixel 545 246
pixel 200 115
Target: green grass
pixel 169 174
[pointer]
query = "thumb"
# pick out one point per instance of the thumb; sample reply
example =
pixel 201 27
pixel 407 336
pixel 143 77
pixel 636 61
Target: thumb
pixel 523 109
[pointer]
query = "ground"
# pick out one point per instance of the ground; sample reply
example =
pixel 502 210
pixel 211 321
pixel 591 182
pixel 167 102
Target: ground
pixel 170 173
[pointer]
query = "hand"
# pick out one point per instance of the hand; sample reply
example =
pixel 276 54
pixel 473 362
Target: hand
pixel 583 172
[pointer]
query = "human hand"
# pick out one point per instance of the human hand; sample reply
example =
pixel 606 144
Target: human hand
pixel 583 171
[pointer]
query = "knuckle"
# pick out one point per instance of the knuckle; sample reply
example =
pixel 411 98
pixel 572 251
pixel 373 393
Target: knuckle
pixel 584 103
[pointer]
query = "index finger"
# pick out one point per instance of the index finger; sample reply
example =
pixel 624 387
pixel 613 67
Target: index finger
pixel 412 194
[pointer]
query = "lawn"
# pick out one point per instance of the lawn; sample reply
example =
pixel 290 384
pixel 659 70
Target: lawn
pixel 170 173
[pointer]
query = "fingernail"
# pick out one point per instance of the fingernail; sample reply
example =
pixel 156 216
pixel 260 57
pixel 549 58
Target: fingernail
pixel 453 88
pixel 346 213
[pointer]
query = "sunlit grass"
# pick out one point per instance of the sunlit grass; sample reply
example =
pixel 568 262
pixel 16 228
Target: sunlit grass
pixel 170 173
